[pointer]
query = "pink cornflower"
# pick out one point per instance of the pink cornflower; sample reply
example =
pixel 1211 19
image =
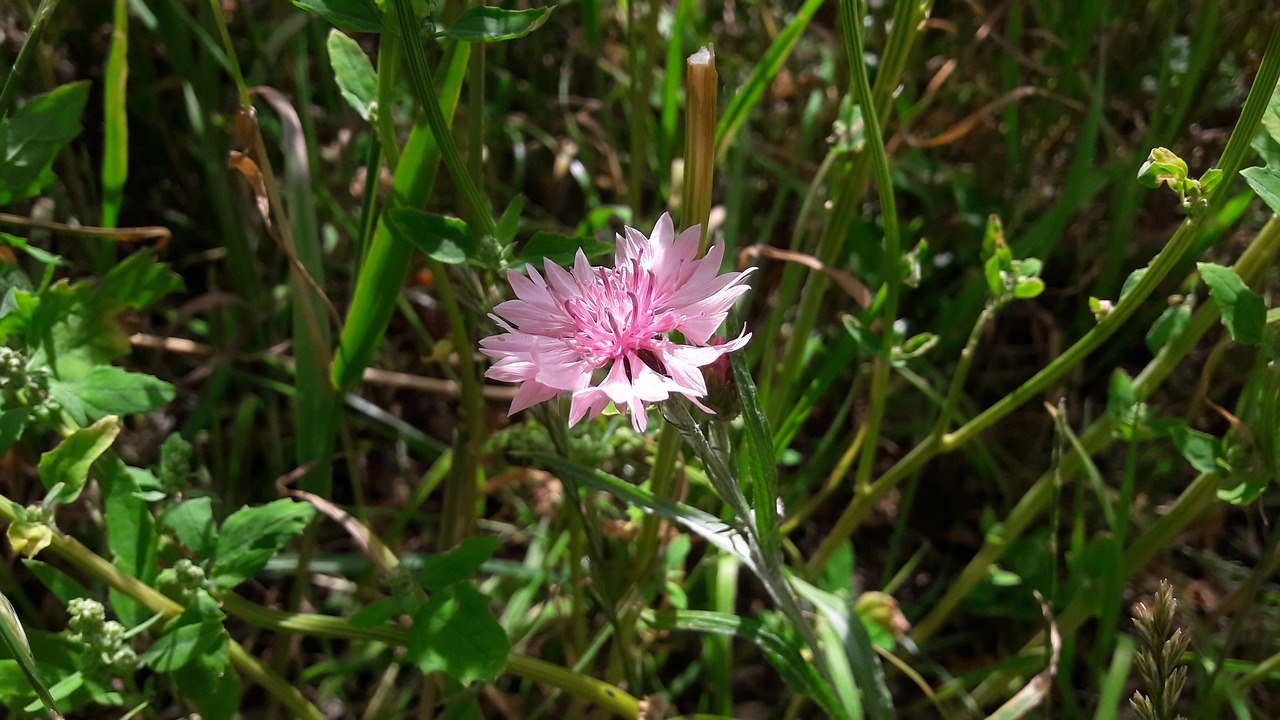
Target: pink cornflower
pixel 601 334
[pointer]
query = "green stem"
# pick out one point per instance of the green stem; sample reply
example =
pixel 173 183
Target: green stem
pixel 851 21
pixel 475 207
pixel 38 23
pixel 234 67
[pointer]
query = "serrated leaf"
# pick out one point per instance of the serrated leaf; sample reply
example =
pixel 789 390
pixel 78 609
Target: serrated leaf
pixel 253 535
pixel 354 74
pixel 68 464
pixel 440 238
pixel 192 523
pixel 490 24
pixel 33 136
pixel 460 563
pixel 357 15
pixel 1265 182
pixel 455 632
pixel 12 423
pixel 1243 311
pixel 186 638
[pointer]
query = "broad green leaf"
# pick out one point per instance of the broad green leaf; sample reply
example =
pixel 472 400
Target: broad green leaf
pixel 1265 181
pixel 490 24
pixel 455 632
pixel 253 535
pixel 131 534
pixel 216 692
pixel 110 390
pixel 34 135
pixel 1169 325
pixel 68 464
pixel 1243 311
pixel 137 282
pixel 357 15
pixel 376 613
pixel 559 249
pixel 356 78
pixel 192 523
pixel 460 563
pixel 440 238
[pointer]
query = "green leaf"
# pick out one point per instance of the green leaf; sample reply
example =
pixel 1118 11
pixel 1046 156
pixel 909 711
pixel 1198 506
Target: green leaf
pixel 187 637
pixel 253 535
pixel 491 24
pixel 560 249
pixel 34 135
pixel 1199 449
pixel 460 563
pixel 1243 311
pixel 455 632
pixel 509 223
pixel 192 523
pixel 216 692
pixel 1169 325
pixel 115 135
pixel 68 464
pixel 440 238
pixel 110 390
pixel 14 640
pixel 131 534
pixel 137 282
pixel 1027 288
pixel 12 423
pixel 31 251
pixel 357 15
pixel 376 613
pixel 1122 400
pixel 356 78
pixel 1265 182
pixel 63 587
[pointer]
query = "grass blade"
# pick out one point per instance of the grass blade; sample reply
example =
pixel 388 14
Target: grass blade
pixel 115 150
pixel 15 641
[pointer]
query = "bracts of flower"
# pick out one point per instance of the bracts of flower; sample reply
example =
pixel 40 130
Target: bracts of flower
pixel 604 334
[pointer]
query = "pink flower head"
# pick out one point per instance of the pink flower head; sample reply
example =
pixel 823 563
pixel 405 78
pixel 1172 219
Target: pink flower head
pixel 601 333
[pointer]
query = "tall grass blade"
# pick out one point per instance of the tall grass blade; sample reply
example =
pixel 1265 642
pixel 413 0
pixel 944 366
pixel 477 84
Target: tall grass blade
pixel 115 151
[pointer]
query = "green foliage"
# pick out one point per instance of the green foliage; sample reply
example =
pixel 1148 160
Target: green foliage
pixel 253 535
pixel 32 137
pixel 355 15
pixel 354 74
pixel 1243 312
pixel 440 238
pixel 559 249
pixel 440 571
pixel 456 633
pixel 483 23
pixel 65 469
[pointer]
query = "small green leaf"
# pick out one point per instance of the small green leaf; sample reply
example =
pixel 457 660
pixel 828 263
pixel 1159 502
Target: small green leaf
pixel 31 251
pixel 12 422
pixel 993 238
pixel 559 249
pixel 455 632
pixel 66 467
pixel 509 223
pixel 33 136
pixel 186 638
pixel 356 78
pixel 1243 311
pixel 460 563
pixel 63 587
pixel 357 15
pixel 137 282
pixel 253 535
pixel 1199 449
pixel 1027 288
pixel 1132 281
pixel 440 238
pixel 376 613
pixel 1169 325
pixel 131 534
pixel 1265 182
pixel 491 24
pixel 192 523
pixel 1122 400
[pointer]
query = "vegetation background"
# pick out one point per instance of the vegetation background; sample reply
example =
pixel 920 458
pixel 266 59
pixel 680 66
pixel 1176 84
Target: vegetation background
pixel 928 480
